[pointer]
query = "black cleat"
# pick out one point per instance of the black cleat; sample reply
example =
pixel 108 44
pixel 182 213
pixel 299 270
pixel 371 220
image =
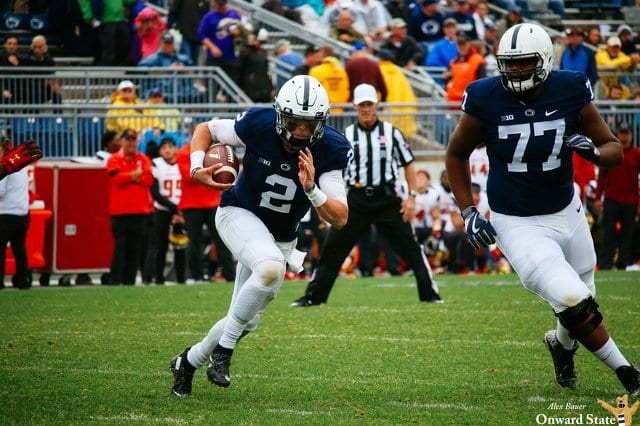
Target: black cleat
pixel 629 375
pixel 562 361
pixel 182 374
pixel 218 369
pixel 434 299
pixel 303 302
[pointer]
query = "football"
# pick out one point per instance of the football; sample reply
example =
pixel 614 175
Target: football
pixel 222 154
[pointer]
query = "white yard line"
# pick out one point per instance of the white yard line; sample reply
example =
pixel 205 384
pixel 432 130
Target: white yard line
pixel 143 418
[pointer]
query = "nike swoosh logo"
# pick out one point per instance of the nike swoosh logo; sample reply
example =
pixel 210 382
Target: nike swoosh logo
pixel 548 113
pixel 578 209
pixel 474 228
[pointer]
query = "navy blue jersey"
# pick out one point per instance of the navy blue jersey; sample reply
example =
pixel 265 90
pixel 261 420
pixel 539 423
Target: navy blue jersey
pixel 268 184
pixel 530 168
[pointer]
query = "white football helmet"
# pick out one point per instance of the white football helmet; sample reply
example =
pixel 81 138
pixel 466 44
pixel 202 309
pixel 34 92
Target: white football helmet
pixel 301 98
pixel 525 57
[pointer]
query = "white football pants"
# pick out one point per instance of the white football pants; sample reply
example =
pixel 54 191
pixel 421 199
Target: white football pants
pixel 251 243
pixel 552 254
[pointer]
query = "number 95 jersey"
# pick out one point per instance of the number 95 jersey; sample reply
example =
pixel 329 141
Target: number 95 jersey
pixel 530 168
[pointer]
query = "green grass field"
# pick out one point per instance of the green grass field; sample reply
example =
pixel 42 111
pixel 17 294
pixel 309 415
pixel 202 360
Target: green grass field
pixel 373 355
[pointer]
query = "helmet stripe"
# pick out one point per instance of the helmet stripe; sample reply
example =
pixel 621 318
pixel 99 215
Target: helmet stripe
pixel 514 39
pixel 305 91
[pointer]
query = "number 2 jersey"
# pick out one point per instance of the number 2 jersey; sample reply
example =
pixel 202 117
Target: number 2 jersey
pixel 268 184
pixel 530 168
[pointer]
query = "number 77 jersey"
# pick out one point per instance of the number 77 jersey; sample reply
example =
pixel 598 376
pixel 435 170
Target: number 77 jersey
pixel 530 169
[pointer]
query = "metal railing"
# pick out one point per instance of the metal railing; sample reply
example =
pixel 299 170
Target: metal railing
pixel 75 130
pixel 55 85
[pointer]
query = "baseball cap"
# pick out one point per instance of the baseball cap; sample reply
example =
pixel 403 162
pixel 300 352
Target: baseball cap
pixel 622 28
pixel 154 91
pixel 573 31
pixel 166 140
pixel 358 45
pixel 129 134
pixel 126 84
pixel 282 43
pixel 311 49
pixel 461 37
pixel 263 35
pixel 623 126
pixel 490 26
pixel 614 41
pixel 220 1
pixel 449 21
pixel 167 38
pixel 365 93
pixel 428 2
pixel 398 23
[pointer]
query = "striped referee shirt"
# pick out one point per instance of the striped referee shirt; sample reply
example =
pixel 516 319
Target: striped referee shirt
pixel 378 152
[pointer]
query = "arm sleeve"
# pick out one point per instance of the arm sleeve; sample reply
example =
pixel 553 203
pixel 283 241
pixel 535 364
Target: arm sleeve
pixel 223 131
pixel 332 184
pixel 155 193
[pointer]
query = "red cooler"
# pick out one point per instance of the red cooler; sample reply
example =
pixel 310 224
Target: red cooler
pixel 78 239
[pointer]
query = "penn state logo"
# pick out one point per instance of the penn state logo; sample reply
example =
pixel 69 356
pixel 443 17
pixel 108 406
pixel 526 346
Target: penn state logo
pixel 36 23
pixel 285 167
pixel 529 112
pixel 12 22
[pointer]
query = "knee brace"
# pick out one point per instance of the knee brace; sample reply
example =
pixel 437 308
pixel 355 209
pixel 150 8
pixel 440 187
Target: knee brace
pixel 268 272
pixel 581 319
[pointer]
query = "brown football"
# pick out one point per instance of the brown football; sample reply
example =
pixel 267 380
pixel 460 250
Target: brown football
pixel 222 154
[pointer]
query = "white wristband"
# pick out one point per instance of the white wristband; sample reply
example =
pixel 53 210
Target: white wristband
pixel 197 157
pixel 316 196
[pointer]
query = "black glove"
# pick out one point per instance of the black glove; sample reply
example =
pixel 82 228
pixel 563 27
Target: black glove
pixel 583 146
pixel 480 232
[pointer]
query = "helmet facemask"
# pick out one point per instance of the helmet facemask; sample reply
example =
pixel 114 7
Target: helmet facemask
pixel 286 125
pixel 302 108
pixel 521 73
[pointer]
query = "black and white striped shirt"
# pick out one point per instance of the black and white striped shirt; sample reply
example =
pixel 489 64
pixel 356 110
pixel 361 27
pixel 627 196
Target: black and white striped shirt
pixel 378 152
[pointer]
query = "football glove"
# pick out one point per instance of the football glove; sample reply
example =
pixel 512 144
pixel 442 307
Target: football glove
pixel 480 232
pixel 583 146
pixel 15 158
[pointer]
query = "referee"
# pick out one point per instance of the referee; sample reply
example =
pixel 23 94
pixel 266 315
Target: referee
pixel 379 150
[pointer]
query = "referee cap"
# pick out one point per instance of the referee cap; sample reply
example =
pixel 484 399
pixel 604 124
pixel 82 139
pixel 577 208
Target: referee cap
pixel 365 93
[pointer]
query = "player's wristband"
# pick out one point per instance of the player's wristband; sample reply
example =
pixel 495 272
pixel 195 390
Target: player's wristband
pixel 316 196
pixel 194 170
pixel 197 157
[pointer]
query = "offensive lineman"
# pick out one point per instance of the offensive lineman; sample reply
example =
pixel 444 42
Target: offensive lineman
pixel 535 120
pixel 292 161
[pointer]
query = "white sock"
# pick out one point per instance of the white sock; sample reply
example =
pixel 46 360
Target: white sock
pixel 199 353
pixel 611 355
pixel 252 299
pixel 562 334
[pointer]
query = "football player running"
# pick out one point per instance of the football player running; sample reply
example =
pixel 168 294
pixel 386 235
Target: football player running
pixel 293 161
pixel 535 120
